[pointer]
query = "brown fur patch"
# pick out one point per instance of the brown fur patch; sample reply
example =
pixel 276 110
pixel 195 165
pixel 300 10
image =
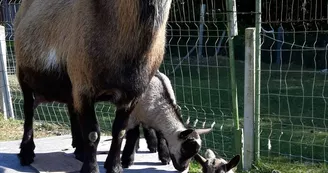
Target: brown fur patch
pixel 127 12
pixel 101 45
pixel 157 51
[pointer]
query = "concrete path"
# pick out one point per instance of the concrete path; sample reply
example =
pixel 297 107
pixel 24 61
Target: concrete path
pixel 54 154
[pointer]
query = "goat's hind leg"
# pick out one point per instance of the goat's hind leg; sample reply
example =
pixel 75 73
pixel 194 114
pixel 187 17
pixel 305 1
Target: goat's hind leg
pixel 27 145
pixel 77 138
pixel 113 161
pixel 84 108
pixel 151 138
pixel 129 150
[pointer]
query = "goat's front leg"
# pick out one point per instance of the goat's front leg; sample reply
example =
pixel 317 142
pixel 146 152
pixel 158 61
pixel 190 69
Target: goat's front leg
pixel 163 150
pixel 129 150
pixel 90 131
pixel 113 161
pixel 151 138
pixel 27 145
pixel 77 138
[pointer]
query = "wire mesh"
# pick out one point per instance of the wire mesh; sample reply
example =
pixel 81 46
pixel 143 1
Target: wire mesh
pixel 200 71
pixel 201 80
pixel 294 81
pixel 294 87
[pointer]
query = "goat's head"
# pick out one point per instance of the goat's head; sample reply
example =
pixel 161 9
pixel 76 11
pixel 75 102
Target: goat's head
pixel 189 144
pixel 211 164
pixel 163 114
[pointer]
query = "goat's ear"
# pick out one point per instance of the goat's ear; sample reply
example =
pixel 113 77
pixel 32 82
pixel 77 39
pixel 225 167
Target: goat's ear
pixel 233 162
pixel 203 131
pixel 185 134
pixel 209 154
pixel 200 159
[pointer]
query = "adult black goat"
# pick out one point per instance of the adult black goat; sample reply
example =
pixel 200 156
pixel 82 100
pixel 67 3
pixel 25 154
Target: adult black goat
pixel 79 52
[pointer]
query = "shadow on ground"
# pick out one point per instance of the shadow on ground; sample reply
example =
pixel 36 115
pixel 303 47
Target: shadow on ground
pixel 55 154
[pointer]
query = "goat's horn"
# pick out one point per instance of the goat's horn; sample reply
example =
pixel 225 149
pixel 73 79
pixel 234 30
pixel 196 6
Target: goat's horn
pixel 203 131
pixel 200 159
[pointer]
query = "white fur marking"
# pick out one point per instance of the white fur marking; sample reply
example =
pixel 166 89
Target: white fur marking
pixel 93 136
pixel 122 133
pixel 209 154
pixel 199 141
pixel 51 60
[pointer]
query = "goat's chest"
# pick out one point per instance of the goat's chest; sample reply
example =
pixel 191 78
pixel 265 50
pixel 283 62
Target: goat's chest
pixel 48 86
pixel 125 82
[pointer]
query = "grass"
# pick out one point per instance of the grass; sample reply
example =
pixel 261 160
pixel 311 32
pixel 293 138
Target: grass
pixel 270 166
pixel 13 129
pixel 293 110
pixel 274 167
pixel 194 167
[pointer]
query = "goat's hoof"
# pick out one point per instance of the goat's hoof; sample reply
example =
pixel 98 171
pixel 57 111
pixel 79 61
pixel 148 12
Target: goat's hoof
pixel 26 157
pixel 89 168
pixel 152 150
pixel 115 169
pixel 79 155
pixel 165 161
pixel 127 164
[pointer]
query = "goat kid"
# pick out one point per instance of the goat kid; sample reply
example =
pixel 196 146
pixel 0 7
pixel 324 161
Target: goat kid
pixel 86 51
pixel 157 109
pixel 211 164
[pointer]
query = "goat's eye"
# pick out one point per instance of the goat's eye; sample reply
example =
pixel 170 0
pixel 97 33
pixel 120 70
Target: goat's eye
pixel 213 162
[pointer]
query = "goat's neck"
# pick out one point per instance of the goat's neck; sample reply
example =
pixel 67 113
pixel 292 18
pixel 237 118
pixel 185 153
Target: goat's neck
pixel 169 124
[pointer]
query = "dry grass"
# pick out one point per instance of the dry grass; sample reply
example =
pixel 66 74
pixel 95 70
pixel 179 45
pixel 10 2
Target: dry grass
pixel 13 129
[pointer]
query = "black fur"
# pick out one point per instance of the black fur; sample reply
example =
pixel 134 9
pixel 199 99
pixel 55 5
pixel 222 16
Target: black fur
pixel 27 146
pixel 151 138
pixel 150 8
pixel 112 163
pixel 132 141
pixel 89 123
pixel 77 138
pixel 163 150
pixel 53 86
pixel 132 136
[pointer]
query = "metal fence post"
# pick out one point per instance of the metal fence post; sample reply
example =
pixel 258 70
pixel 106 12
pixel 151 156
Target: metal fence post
pixel 249 98
pixel 6 103
pixel 201 30
pixel 232 32
pixel 258 27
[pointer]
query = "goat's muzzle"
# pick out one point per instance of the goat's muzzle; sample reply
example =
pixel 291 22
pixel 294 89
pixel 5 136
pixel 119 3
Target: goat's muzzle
pixel 189 148
pixel 178 165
